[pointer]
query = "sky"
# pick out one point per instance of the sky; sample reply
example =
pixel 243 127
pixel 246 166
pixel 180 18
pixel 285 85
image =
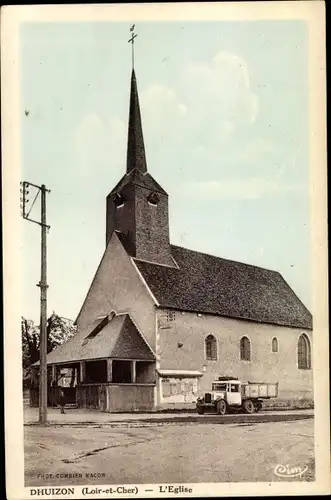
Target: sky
pixel 225 119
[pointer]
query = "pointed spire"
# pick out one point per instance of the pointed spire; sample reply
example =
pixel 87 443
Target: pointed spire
pixel 136 157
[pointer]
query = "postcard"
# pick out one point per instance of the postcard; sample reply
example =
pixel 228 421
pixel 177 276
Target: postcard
pixel 165 250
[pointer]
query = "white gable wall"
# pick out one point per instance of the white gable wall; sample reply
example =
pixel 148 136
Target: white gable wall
pixel 118 286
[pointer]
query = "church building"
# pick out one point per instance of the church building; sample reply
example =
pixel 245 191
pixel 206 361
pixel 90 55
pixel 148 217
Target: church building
pixel 160 322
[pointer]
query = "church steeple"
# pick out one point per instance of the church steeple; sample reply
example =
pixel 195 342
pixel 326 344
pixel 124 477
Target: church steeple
pixel 136 157
pixel 137 207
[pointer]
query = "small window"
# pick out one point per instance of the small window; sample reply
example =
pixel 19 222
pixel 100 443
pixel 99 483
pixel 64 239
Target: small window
pixel 274 345
pixel 153 199
pixel 118 200
pixel 171 315
pixel 304 353
pixel 211 348
pixel 219 387
pixel 234 387
pixel 245 349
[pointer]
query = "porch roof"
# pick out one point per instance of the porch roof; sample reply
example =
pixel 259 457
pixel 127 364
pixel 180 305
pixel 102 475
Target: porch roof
pixel 116 337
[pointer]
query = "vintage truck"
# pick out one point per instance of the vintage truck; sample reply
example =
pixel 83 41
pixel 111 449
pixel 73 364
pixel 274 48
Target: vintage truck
pixel 229 394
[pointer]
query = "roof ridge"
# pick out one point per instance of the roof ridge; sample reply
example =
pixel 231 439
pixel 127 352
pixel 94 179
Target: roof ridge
pixel 228 260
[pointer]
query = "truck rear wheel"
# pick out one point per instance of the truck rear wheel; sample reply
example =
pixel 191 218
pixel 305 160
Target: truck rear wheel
pixel 248 406
pixel 221 407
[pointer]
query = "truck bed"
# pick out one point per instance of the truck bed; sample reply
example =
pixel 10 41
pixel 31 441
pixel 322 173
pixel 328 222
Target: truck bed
pixel 261 390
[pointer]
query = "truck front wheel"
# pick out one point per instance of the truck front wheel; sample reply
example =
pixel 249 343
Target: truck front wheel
pixel 221 407
pixel 248 406
pixel 201 410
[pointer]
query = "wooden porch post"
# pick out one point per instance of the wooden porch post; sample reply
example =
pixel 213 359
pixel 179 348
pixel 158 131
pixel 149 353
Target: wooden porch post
pixel 54 374
pixel 133 372
pixel 82 367
pixel 77 369
pixel 109 370
pixel 52 389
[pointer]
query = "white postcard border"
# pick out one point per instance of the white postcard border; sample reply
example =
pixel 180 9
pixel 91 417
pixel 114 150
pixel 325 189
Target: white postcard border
pixel 313 12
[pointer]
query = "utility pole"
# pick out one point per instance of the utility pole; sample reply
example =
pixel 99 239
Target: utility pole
pixel 43 290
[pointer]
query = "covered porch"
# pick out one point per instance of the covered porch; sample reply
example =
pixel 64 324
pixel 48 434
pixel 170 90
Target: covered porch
pixel 106 384
pixel 111 369
pixel 117 385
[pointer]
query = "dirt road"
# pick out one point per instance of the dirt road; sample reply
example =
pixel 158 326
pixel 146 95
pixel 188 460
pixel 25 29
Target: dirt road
pixel 96 417
pixel 168 454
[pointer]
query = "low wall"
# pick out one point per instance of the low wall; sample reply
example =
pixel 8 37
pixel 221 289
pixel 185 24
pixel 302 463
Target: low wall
pixel 90 396
pixel 116 397
pixel 53 395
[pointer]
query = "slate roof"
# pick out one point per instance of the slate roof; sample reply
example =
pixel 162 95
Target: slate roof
pixel 207 284
pixel 118 338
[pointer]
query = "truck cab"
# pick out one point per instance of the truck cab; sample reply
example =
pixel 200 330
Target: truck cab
pixel 230 391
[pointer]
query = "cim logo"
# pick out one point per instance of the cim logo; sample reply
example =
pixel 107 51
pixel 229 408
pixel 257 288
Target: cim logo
pixel 290 471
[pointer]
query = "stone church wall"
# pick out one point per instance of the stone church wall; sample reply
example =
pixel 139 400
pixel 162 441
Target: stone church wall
pixel 152 228
pixel 181 345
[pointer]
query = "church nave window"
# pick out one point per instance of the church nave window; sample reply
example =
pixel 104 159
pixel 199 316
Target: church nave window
pixel 304 353
pixel 211 348
pixel 274 345
pixel 245 349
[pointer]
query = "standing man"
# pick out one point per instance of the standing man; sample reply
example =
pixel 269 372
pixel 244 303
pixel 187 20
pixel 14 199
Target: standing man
pixel 62 400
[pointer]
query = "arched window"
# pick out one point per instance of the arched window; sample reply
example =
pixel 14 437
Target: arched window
pixel 211 348
pixel 274 346
pixel 245 349
pixel 304 354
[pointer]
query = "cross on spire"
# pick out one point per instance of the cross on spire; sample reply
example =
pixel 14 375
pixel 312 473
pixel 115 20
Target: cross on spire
pixel 132 42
